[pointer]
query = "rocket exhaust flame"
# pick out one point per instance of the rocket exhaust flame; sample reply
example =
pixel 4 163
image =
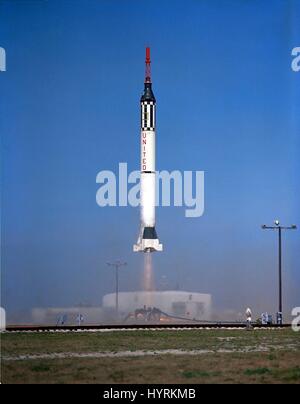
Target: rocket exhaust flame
pixel 148 240
pixel 148 278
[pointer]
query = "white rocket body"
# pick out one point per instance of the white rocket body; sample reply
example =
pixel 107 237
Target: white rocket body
pixel 148 240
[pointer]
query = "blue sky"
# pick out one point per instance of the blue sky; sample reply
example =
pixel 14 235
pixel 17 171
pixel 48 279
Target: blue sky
pixel 227 104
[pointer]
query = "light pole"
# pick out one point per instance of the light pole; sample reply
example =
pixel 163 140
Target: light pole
pixel 279 228
pixel 117 264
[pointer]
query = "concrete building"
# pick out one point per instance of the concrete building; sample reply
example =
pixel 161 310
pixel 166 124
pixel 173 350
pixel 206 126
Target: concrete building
pixel 174 303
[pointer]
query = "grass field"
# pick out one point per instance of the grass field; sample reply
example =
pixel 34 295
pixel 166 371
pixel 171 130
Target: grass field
pixel 198 356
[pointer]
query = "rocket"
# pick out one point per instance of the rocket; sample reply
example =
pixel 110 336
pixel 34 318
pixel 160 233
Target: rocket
pixel 147 240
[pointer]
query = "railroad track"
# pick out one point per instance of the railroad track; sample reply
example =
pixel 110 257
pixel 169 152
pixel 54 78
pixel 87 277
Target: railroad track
pixel 128 327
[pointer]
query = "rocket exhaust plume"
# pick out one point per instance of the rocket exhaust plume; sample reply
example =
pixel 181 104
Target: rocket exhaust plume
pixel 148 278
pixel 148 240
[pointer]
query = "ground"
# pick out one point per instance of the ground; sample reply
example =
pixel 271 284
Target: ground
pixel 163 356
